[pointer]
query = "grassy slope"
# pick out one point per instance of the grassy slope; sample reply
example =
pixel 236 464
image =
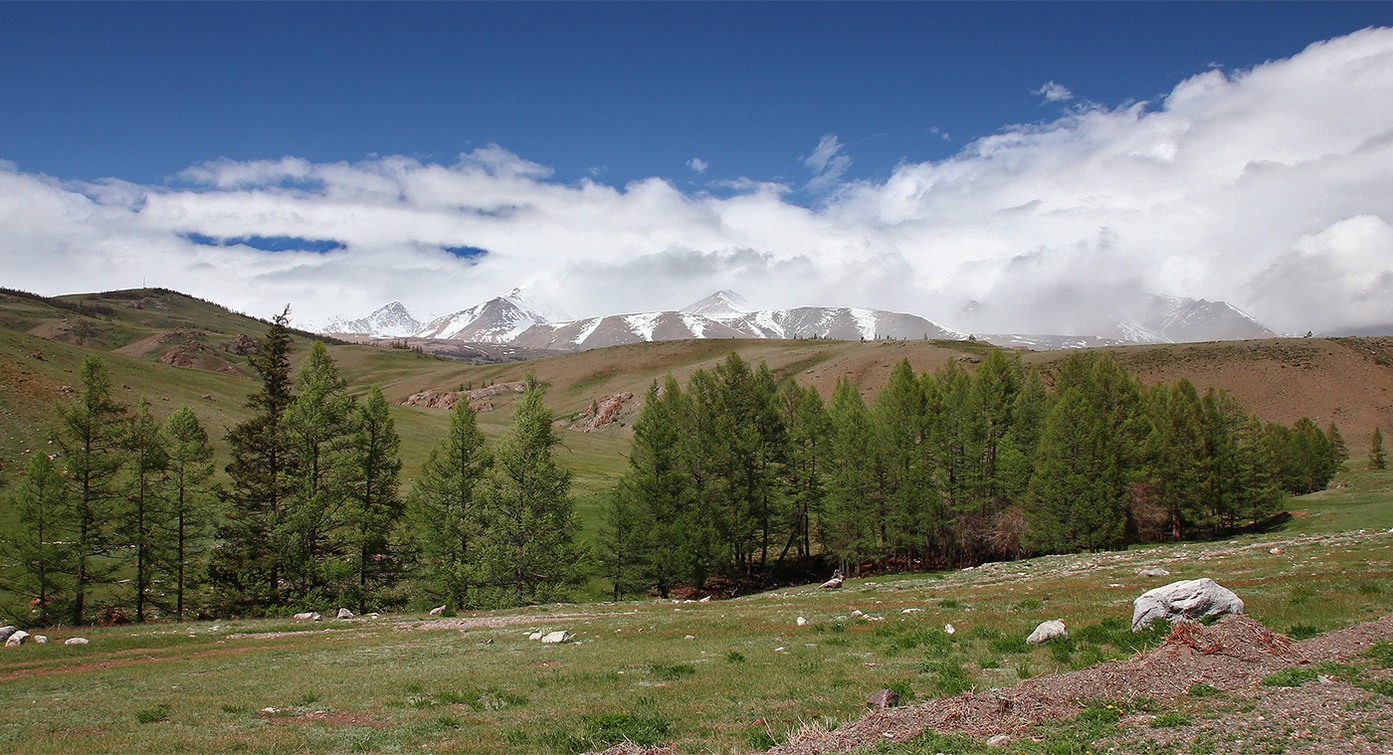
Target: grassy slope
pixel 747 677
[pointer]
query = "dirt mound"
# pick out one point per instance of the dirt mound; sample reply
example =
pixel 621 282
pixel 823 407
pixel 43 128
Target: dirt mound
pixel 1234 655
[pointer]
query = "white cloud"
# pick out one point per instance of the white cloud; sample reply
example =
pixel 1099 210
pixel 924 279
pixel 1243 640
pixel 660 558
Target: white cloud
pixel 1053 92
pixel 827 163
pixel 697 164
pixel 1270 188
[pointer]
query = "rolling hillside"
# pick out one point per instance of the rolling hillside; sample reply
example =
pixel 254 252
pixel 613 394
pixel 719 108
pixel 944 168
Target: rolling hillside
pixel 176 350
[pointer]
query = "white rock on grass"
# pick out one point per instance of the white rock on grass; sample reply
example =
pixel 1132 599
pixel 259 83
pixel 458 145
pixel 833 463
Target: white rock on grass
pixel 40 639
pixel 344 613
pixel 801 621
pixel 437 610
pixel 535 636
pixel 16 639
pixel 556 638
pixel 5 632
pixel 307 616
pixel 76 641
pixel 1186 599
pixel 1046 631
pixel 949 629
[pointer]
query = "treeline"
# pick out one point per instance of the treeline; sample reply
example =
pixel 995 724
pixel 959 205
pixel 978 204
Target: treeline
pixel 311 515
pixel 739 473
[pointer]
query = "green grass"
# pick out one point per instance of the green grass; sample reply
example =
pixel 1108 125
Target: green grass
pixel 750 677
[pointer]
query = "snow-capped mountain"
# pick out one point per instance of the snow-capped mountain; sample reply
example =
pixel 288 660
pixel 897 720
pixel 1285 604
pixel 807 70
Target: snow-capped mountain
pixel 499 320
pixel 391 320
pixel 723 315
pixel 511 321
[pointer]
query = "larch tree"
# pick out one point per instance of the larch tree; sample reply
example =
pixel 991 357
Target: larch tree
pixel 528 540
pixel 42 544
pixel 144 526
pixel 1378 459
pixel 446 504
pixel 373 470
pixel 190 469
pixel 92 443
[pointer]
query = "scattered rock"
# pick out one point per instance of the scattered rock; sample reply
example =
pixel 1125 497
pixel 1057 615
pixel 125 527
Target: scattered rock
pixel 1046 631
pixel 242 345
pixel 1186 599
pixel 801 621
pixel 5 632
pixel 857 612
pixel 1000 740
pixel 76 641
pixel 706 599
pixel 437 610
pixel 535 636
pixel 307 616
pixel 16 639
pixel 344 613
pixel 690 637
pixel 910 610
pixel 1155 571
pixel 886 698
pixel 831 584
pixel 556 638
pixel 40 639
pixel 1275 551
pixel 949 629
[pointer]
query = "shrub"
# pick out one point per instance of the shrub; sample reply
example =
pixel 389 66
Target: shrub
pixel 671 673
pixel 1302 632
pixel 1170 720
pixel 153 715
pixel 1200 689
pixel 1292 677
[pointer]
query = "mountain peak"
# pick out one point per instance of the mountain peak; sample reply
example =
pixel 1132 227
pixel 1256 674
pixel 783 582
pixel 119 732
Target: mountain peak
pixel 723 303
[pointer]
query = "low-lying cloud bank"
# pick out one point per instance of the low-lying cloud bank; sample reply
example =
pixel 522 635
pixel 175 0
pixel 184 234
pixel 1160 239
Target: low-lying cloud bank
pixel 1270 188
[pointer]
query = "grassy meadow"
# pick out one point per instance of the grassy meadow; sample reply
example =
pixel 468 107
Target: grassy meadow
pixel 724 676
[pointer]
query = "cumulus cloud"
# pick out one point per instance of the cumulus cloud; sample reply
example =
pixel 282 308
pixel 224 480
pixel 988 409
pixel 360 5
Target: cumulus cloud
pixel 1271 188
pixel 697 164
pixel 1053 92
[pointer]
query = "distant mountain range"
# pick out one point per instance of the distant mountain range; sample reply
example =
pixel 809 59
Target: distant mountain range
pixel 509 320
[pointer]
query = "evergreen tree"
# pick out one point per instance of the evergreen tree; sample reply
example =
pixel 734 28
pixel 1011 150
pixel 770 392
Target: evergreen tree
pixel 248 567
pixel 1178 460
pixel 650 529
pixel 190 468
pixel 852 522
pixel 1337 444
pixel 313 536
pixel 1377 458
pixel 1073 503
pixel 805 417
pixel 623 546
pixel 899 413
pixel 447 506
pixel 373 469
pixel 528 538
pixel 42 544
pixel 145 523
pixel 93 451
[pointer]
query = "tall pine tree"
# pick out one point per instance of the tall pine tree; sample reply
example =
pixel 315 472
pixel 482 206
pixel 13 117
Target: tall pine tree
pixel 190 468
pixel 447 505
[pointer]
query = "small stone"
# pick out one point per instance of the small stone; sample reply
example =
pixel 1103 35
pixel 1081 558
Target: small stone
pixel 706 599
pixel 886 698
pixel 5 632
pixel 1046 631
pixel 344 613
pixel 16 639
pixel 910 610
pixel 535 636
pixel 1275 551
pixel 307 616
pixel 689 637
pixel 948 628
pixel 801 621
pixel 1000 740
pixel 857 612
pixel 1154 572
pixel 76 641
pixel 558 637
pixel 40 639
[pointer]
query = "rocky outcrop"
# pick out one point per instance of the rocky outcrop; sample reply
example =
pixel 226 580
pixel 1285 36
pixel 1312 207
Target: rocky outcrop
pixel 602 412
pixel 1186 599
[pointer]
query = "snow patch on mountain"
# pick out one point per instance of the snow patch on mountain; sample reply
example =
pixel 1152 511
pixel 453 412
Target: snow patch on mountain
pixel 390 320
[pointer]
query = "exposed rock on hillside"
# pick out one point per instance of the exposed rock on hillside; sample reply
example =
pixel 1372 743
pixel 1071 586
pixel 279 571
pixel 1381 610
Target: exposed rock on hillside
pixel 602 412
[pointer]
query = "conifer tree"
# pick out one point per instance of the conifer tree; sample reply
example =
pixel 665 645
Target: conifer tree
pixel 373 469
pixel 92 444
pixel 649 527
pixel 528 539
pixel 42 544
pixel 317 432
pixel 1073 504
pixel 145 526
pixel 447 506
pixel 1378 459
pixel 906 485
pixel 190 468
pixel 248 568
pixel 1178 462
pixel 805 416
pixel 852 525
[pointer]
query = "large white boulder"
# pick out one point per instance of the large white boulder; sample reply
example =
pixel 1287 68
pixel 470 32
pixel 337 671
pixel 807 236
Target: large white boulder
pixel 1046 631
pixel 556 638
pixel 1186 599
pixel 16 639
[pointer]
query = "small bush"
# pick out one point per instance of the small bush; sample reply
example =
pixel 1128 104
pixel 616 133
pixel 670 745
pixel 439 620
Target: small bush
pixel 903 688
pixel 1380 686
pixel 1024 671
pixel 1292 677
pixel 1029 604
pixel 1200 689
pixel 735 656
pixel 1302 632
pixel 949 603
pixel 645 728
pixel 1100 714
pixel 948 678
pixel 671 673
pixel 759 739
pixel 1382 654
pixel 153 715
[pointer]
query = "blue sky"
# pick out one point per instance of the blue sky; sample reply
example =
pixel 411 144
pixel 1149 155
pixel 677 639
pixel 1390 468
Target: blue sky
pixel 761 130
